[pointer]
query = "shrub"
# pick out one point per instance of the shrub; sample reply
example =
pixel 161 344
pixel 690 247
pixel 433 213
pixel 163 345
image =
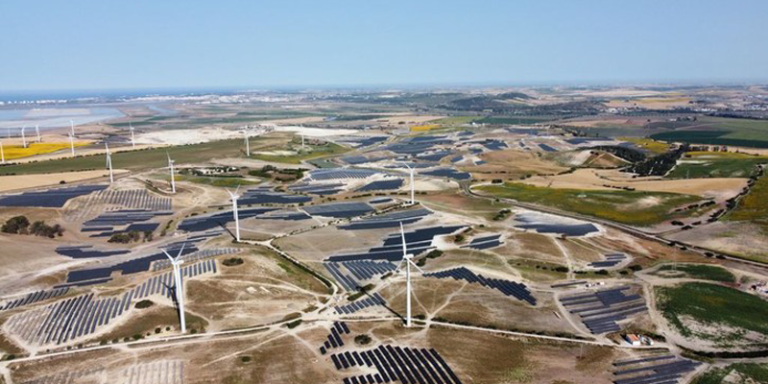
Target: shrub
pixel 144 304
pixel 233 261
pixel 245 359
pixel 362 339
pixel 16 225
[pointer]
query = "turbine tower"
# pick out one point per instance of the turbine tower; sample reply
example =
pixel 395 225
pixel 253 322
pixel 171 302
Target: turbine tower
pixel 234 196
pixel 179 287
pixel 37 130
pixel 133 138
pixel 247 144
pixel 71 135
pixel 2 153
pixel 109 164
pixel 23 138
pixel 413 185
pixel 170 166
pixel 407 260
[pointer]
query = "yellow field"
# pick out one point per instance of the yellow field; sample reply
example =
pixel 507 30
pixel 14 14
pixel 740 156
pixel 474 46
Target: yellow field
pixel 17 152
pixel 424 128
pixel 649 144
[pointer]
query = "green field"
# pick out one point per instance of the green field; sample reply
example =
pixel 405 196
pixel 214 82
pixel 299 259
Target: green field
pixel 733 312
pixel 136 160
pixel 753 207
pixel 315 151
pixel 455 120
pixel 696 271
pixel 504 120
pixel 717 131
pixel 716 164
pixel 224 182
pixel 619 206
pixel 758 373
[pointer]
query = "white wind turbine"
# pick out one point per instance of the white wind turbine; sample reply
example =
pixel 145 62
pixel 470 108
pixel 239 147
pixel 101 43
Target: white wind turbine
pixel 179 286
pixel 133 137
pixel 23 138
pixel 173 178
pixel 37 130
pixel 407 260
pixel 234 196
pixel 247 144
pixel 413 185
pixel 2 153
pixel 109 164
pixel 71 135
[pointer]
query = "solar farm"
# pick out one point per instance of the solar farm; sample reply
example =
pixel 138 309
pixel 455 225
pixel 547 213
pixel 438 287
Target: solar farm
pixel 384 261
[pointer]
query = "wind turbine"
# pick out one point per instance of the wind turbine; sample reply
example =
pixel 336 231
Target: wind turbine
pixel 2 153
pixel 407 260
pixel 170 166
pixel 234 196
pixel 71 135
pixel 178 285
pixel 413 186
pixel 133 138
pixel 37 130
pixel 23 138
pixel 109 164
pixel 247 144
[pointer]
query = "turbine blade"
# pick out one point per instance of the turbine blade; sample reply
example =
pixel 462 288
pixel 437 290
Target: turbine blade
pixel 416 266
pixel 181 249
pixel 169 256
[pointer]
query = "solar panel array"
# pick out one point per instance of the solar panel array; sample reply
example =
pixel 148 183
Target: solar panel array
pixel 599 311
pixel 138 264
pixel 334 338
pixel 51 198
pixel 367 269
pixel 547 148
pixel 106 222
pixel 610 261
pixel 381 185
pixel 320 189
pixel 484 242
pixel 156 372
pixel 339 209
pixel 380 200
pixel 285 215
pixel 494 145
pixel 263 196
pixel 196 256
pixel 80 316
pixel 419 144
pixel 131 198
pixel 340 173
pixel 33 297
pixel 390 364
pixel 509 288
pixel 219 219
pixel 660 372
pixel 448 173
pixel 388 220
pixel 360 304
pixel 87 252
pixel 434 156
pixel 417 242
pixel 568 283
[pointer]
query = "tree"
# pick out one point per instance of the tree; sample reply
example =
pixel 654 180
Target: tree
pixel 17 225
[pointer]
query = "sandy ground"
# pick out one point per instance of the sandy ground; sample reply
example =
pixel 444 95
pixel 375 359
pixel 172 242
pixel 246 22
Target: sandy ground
pixel 590 179
pixel 191 136
pixel 19 182
pixel 315 132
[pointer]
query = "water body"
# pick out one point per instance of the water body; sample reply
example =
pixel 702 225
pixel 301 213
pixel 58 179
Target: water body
pixel 52 117
pixel 545 223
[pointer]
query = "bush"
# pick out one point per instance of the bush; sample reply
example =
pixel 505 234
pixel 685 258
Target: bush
pixel 39 228
pixel 16 225
pixel 144 304
pixel 362 339
pixel 125 237
pixel 245 359
pixel 233 261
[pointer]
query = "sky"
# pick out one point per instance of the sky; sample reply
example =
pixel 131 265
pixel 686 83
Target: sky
pixel 137 44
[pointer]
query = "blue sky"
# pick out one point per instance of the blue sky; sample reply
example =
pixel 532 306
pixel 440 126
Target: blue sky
pixel 121 44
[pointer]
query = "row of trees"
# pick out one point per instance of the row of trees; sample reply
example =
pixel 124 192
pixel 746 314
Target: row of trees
pixel 20 225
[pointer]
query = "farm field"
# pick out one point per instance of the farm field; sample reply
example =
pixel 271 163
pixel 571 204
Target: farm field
pixel 753 207
pixel 756 372
pixel 716 131
pixel 13 152
pixel 722 315
pixel 696 271
pixel 628 207
pixel 327 149
pixel 653 146
pixel 716 164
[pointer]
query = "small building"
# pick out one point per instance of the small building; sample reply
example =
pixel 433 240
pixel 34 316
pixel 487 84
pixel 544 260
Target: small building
pixel 633 339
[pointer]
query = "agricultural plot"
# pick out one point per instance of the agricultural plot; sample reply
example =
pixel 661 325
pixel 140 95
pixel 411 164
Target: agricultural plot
pixel 753 208
pixel 13 152
pixel 628 207
pixel 718 131
pixel 716 164
pixel 720 315
pixel 296 154
pixel 696 271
